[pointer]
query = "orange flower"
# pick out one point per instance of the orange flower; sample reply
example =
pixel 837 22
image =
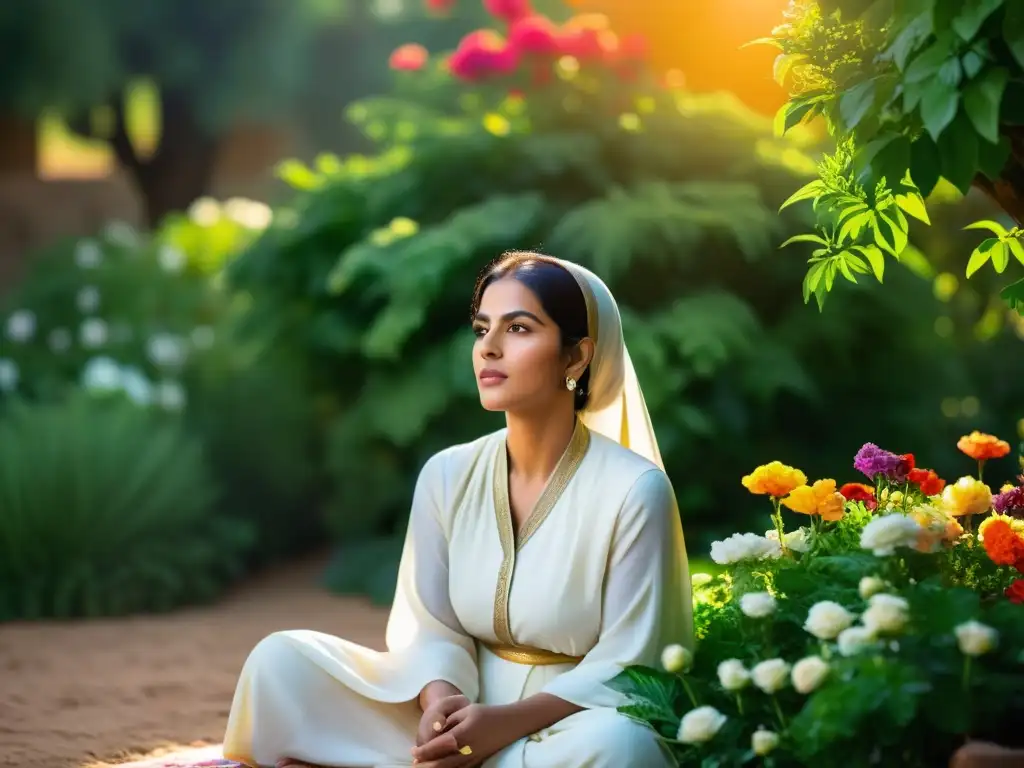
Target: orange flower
pixel 1001 542
pixel 929 482
pixel 774 479
pixel 982 447
pixel 859 492
pixel 822 498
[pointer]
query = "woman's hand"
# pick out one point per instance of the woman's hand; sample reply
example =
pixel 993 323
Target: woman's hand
pixel 436 715
pixel 470 735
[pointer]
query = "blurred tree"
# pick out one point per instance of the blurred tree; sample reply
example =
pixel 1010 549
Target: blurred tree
pixel 213 65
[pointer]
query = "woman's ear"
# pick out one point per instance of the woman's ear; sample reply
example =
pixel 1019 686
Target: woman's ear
pixel 580 357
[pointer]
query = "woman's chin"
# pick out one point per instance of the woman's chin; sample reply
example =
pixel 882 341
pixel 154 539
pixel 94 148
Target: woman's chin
pixel 491 403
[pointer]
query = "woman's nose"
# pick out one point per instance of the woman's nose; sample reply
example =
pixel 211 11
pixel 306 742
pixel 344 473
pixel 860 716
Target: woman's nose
pixel 489 347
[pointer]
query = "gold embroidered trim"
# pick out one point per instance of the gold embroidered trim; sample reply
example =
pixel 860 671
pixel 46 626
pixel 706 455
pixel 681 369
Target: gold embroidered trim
pixel 556 485
pixel 534 657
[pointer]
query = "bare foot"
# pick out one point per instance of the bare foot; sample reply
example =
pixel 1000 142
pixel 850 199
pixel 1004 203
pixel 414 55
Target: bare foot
pixel 291 762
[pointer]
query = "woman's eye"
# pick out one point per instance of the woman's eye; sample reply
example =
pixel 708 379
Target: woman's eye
pixel 517 328
pixel 478 331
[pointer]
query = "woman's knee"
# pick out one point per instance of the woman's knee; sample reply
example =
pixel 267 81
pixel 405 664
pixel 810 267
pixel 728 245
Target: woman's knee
pixel 619 741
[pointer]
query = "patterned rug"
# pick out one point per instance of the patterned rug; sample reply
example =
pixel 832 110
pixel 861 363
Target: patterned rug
pixel 193 757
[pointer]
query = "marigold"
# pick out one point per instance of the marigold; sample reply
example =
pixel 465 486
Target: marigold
pixel 1015 592
pixel 967 496
pixel 774 479
pixel 822 498
pixel 1002 544
pixel 859 492
pixel 982 447
pixel 928 481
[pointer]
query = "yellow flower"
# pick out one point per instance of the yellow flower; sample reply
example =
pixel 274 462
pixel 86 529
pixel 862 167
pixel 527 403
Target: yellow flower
pixel 967 496
pixel 818 499
pixel 774 479
pixel 1015 524
pixel 1007 487
pixel 937 527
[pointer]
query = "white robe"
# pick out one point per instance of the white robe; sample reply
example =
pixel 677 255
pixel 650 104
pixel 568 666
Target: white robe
pixel 599 573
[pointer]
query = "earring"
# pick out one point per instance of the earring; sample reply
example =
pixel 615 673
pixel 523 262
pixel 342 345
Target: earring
pixel 570 383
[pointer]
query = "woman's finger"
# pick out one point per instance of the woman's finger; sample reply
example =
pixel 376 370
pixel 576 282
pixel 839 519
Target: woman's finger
pixel 438 747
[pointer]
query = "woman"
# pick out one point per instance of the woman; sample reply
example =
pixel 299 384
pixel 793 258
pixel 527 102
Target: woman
pixel 539 561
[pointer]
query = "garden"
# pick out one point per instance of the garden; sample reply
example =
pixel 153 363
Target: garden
pixel 187 405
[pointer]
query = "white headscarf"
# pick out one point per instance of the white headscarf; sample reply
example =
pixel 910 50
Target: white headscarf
pixel 616 407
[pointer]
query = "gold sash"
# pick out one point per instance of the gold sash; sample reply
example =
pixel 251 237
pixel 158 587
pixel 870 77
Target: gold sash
pixel 535 657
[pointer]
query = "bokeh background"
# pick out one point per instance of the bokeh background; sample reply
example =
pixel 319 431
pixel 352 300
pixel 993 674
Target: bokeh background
pixel 238 240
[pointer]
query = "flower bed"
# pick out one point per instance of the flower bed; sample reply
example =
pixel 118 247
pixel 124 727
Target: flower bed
pixel 887 630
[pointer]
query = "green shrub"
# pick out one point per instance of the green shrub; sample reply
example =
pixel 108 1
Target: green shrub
pixel 670 196
pixel 106 508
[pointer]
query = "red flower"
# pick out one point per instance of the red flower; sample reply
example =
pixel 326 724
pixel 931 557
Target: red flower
pixel 1015 592
pixel 409 58
pixel 508 10
pixel 440 6
pixel 907 462
pixel 926 479
pixel 481 54
pixel 588 37
pixel 534 34
pixel 859 492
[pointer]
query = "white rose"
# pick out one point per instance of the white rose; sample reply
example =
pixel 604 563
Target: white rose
pixel 733 675
pixel 798 540
pixel 827 619
pixel 744 546
pixel 870 585
pixel 771 675
pixel 854 640
pixel 808 674
pixel 884 534
pixel 763 742
pixel 170 395
pixel 885 613
pixel 975 638
pixel 700 725
pixel 676 658
pixel 757 605
pixel 88 299
pixel 88 254
pixel 21 325
pixel 93 333
pixel 101 374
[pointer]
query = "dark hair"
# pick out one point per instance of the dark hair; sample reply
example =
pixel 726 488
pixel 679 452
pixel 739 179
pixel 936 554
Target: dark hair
pixel 556 290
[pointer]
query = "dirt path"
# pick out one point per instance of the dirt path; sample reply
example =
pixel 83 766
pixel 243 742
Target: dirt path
pixel 74 694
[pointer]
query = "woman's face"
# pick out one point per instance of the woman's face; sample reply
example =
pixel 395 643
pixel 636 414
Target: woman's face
pixel 518 358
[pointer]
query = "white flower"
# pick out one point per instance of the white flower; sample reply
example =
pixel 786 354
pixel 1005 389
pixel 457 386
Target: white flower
pixel 170 395
pixel 975 638
pixel 700 725
pixel 870 585
pixel 8 375
pixel 121 233
pixel 203 338
pixel 855 640
pixel 884 534
pixel 136 386
pixel 21 325
pixel 205 211
pixel 885 613
pixel 88 254
pixel 757 605
pixel 92 333
pixel 827 619
pixel 808 674
pixel 59 339
pixel 771 675
pixel 744 546
pixel 171 259
pixel 676 658
pixel 733 675
pixel 251 214
pixel 763 742
pixel 166 350
pixel 101 374
pixel 88 299
pixel 798 540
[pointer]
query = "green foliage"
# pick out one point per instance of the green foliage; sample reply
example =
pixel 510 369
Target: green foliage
pixel 107 509
pixel 907 695
pixel 914 92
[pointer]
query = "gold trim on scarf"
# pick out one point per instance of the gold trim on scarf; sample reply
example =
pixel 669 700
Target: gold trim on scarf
pixel 534 657
pixel 556 485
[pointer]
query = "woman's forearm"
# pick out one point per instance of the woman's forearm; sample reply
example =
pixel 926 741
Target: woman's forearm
pixel 532 714
pixel 435 691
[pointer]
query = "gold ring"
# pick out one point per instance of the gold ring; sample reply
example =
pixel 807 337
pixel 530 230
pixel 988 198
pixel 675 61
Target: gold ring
pixel 466 751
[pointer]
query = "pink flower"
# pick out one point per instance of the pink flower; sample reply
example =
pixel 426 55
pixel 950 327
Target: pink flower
pixel 481 54
pixel 440 6
pixel 534 34
pixel 508 10
pixel 409 58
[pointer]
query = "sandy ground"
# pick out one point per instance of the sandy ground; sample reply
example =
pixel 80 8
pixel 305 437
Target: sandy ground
pixel 77 694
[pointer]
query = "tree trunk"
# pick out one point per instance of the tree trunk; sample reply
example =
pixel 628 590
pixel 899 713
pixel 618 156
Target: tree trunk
pixel 180 169
pixel 1008 191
